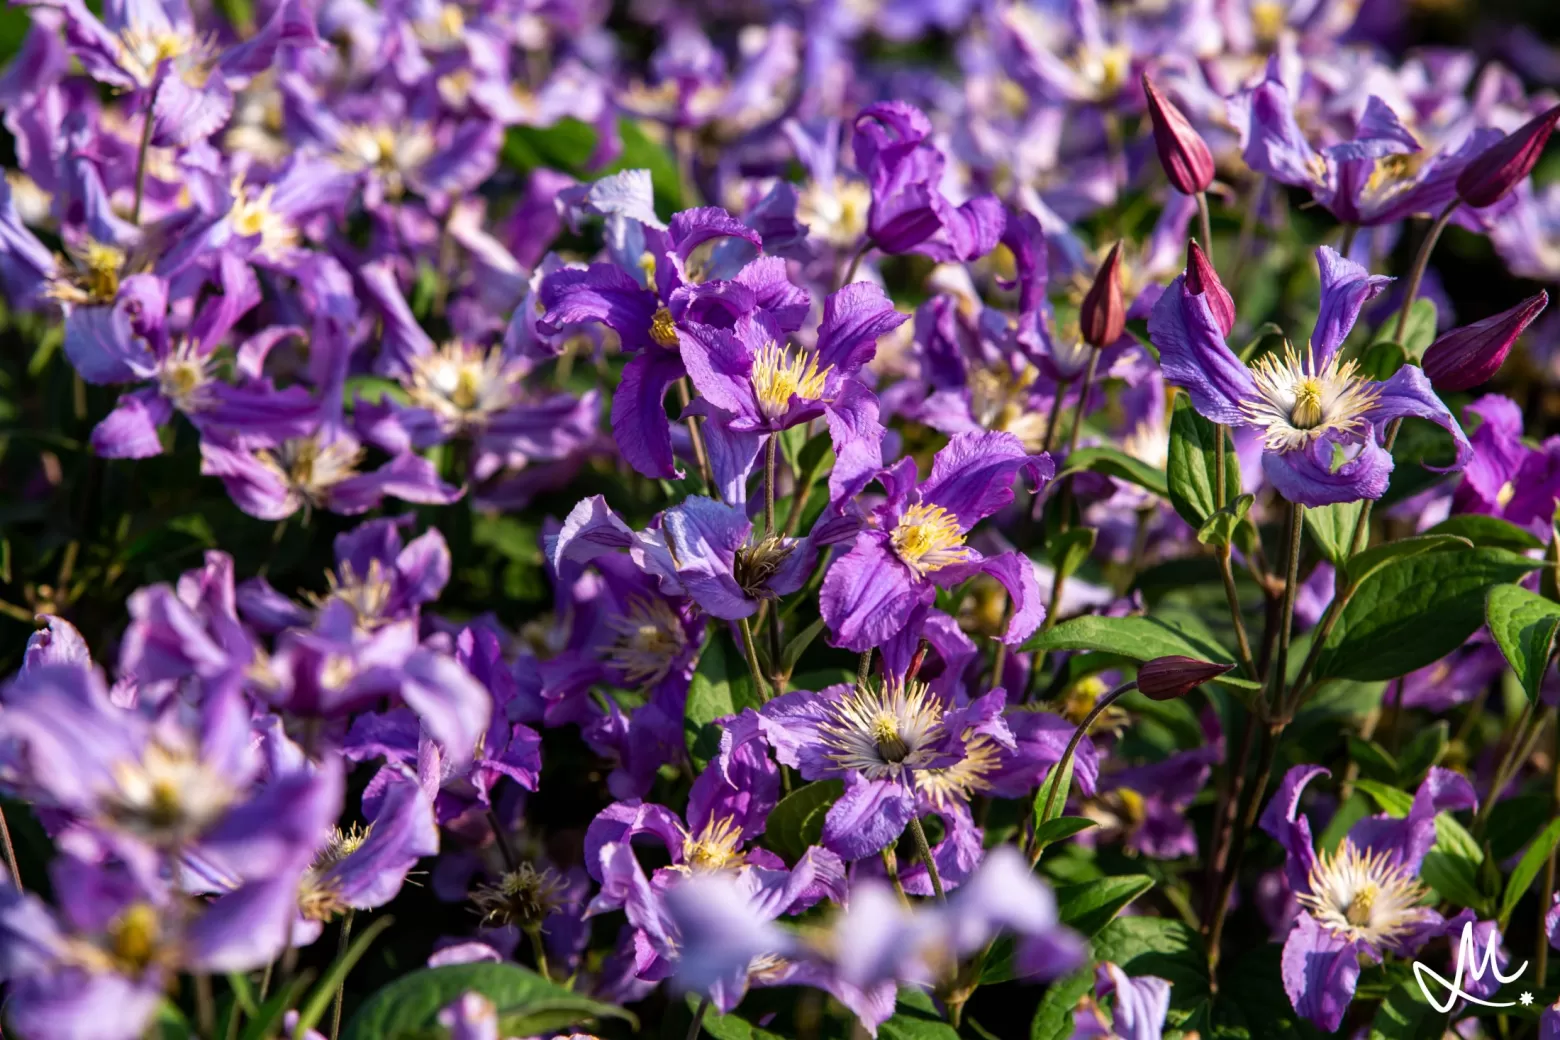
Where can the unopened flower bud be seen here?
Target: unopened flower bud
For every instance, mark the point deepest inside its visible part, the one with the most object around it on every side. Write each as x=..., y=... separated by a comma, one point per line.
x=1503, y=165
x=1166, y=678
x=1466, y=357
x=1103, y=317
x=1183, y=153
x=1203, y=280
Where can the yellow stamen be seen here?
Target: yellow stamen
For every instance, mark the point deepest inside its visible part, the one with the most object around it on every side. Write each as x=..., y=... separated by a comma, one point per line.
x=662, y=328
x=777, y=377
x=927, y=538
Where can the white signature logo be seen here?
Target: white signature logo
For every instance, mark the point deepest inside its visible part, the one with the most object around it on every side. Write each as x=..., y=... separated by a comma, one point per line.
x=1468, y=956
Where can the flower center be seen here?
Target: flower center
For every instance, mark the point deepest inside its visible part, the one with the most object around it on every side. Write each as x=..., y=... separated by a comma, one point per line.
x=927, y=538
x=1363, y=896
x=1358, y=912
x=524, y=897
x=368, y=596
x=463, y=383
x=1298, y=402
x=778, y=376
x=662, y=328
x=715, y=848
x=649, y=638
x=884, y=731
x=166, y=796
x=132, y=938
x=310, y=469
x=1267, y=19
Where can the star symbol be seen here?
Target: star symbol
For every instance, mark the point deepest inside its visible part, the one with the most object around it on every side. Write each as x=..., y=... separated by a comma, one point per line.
x=1526, y=999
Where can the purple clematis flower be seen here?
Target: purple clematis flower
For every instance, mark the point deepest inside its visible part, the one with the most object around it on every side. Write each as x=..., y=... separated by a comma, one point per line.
x=1141, y=1005
x=910, y=213
x=915, y=543
x=1364, y=899
x=1505, y=477
x=1322, y=422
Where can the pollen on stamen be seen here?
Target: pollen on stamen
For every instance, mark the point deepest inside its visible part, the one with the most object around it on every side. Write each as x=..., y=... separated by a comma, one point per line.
x=928, y=538
x=1299, y=402
x=714, y=848
x=1363, y=896
x=778, y=376
x=884, y=730
x=650, y=637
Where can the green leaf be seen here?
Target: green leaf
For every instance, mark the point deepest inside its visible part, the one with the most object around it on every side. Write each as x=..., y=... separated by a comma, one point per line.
x=1527, y=868
x=1424, y=751
x=1061, y=828
x=371, y=390
x=720, y=687
x=1264, y=330
x=797, y=821
x=1089, y=907
x=1069, y=549
x=1252, y=1001
x=1488, y=530
x=1063, y=784
x=640, y=152
x=1418, y=333
x=1054, y=1017
x=1368, y=561
x=1191, y=470
x=1381, y=360
x=797, y=645
x=1157, y=946
x=1332, y=529
x=916, y=1018
x=409, y=1006
x=1219, y=529
x=1392, y=801
x=1113, y=462
x=726, y=1027
x=314, y=1008
x=1142, y=639
x=1372, y=757
x=267, y=1022
x=1414, y=611
x=1406, y=1015
x=566, y=145
x=1524, y=626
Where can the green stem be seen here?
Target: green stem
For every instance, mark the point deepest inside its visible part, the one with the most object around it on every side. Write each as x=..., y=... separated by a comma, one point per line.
x=696, y=435
x=1051, y=421
x=1421, y=262
x=891, y=868
x=1207, y=225
x=539, y=951
x=864, y=668
x=1287, y=617
x=342, y=943
x=148, y=122
x=750, y=648
x=925, y=851
x=769, y=484
x=1083, y=400
x=1077, y=738
x=1347, y=243
x=206, y=1006
x=855, y=262
x=511, y=861
x=1541, y=953
x=10, y=853
x=698, y=1019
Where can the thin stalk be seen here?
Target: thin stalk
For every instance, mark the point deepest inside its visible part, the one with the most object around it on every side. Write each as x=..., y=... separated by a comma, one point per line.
x=1053, y=608
x=206, y=1006
x=864, y=667
x=10, y=853
x=1243, y=824
x=265, y=982
x=1206, y=223
x=1395, y=725
x=751, y=649
x=1421, y=262
x=1056, y=413
x=511, y=861
x=1287, y=617
x=1227, y=807
x=698, y=1019
x=341, y=988
x=148, y=122
x=1232, y=597
x=855, y=261
x=696, y=435
x=1516, y=753
x=925, y=851
x=1077, y=738
x=891, y=868
x=1083, y=400
x=539, y=951
x=778, y=675
x=769, y=484
x=1349, y=232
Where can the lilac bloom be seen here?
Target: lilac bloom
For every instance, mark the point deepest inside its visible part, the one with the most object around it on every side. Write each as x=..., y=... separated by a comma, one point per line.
x=915, y=543
x=909, y=211
x=1152, y=801
x=880, y=739
x=1382, y=175
x=1364, y=899
x=1138, y=1012
x=1323, y=423
x=1505, y=477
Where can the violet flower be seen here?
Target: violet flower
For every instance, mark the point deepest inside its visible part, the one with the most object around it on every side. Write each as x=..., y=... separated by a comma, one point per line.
x=915, y=543
x=1363, y=900
x=1138, y=1012
x=1323, y=423
x=1505, y=477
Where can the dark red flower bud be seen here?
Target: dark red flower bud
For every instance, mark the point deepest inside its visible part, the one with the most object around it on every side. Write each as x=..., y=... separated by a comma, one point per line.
x=1203, y=280
x=1503, y=165
x=1166, y=678
x=1103, y=317
x=1466, y=357
x=1182, y=151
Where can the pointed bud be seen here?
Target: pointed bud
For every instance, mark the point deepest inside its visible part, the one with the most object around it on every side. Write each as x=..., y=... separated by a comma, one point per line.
x=1504, y=164
x=1466, y=357
x=1182, y=151
x=1166, y=678
x=1103, y=316
x=1202, y=279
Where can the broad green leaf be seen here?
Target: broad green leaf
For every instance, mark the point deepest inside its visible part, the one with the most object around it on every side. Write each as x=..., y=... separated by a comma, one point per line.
x=1061, y=828
x=1527, y=868
x=1513, y=822
x=1157, y=946
x=1054, y=1017
x=916, y=1018
x=409, y=1006
x=566, y=145
x=1406, y=1015
x=1368, y=561
x=1069, y=549
x=1191, y=469
x=1524, y=626
x=313, y=1009
x=1381, y=360
x=1419, y=333
x=1487, y=530
x=1063, y=784
x=1332, y=529
x=371, y=390
x=720, y=687
x=1354, y=808
x=1414, y=611
x=797, y=645
x=1219, y=529
x=1252, y=1001
x=1373, y=758
x=1113, y=462
x=1142, y=639
x=1422, y=752
x=797, y=821
x=268, y=1021
x=728, y=1027
x=641, y=153
x=1089, y=907
x=1393, y=802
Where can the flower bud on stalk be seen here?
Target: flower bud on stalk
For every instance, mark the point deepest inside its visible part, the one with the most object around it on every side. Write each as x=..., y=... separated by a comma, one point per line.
x=1167, y=678
x=1503, y=165
x=1183, y=153
x=1466, y=357
x=1203, y=280
x=1103, y=317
